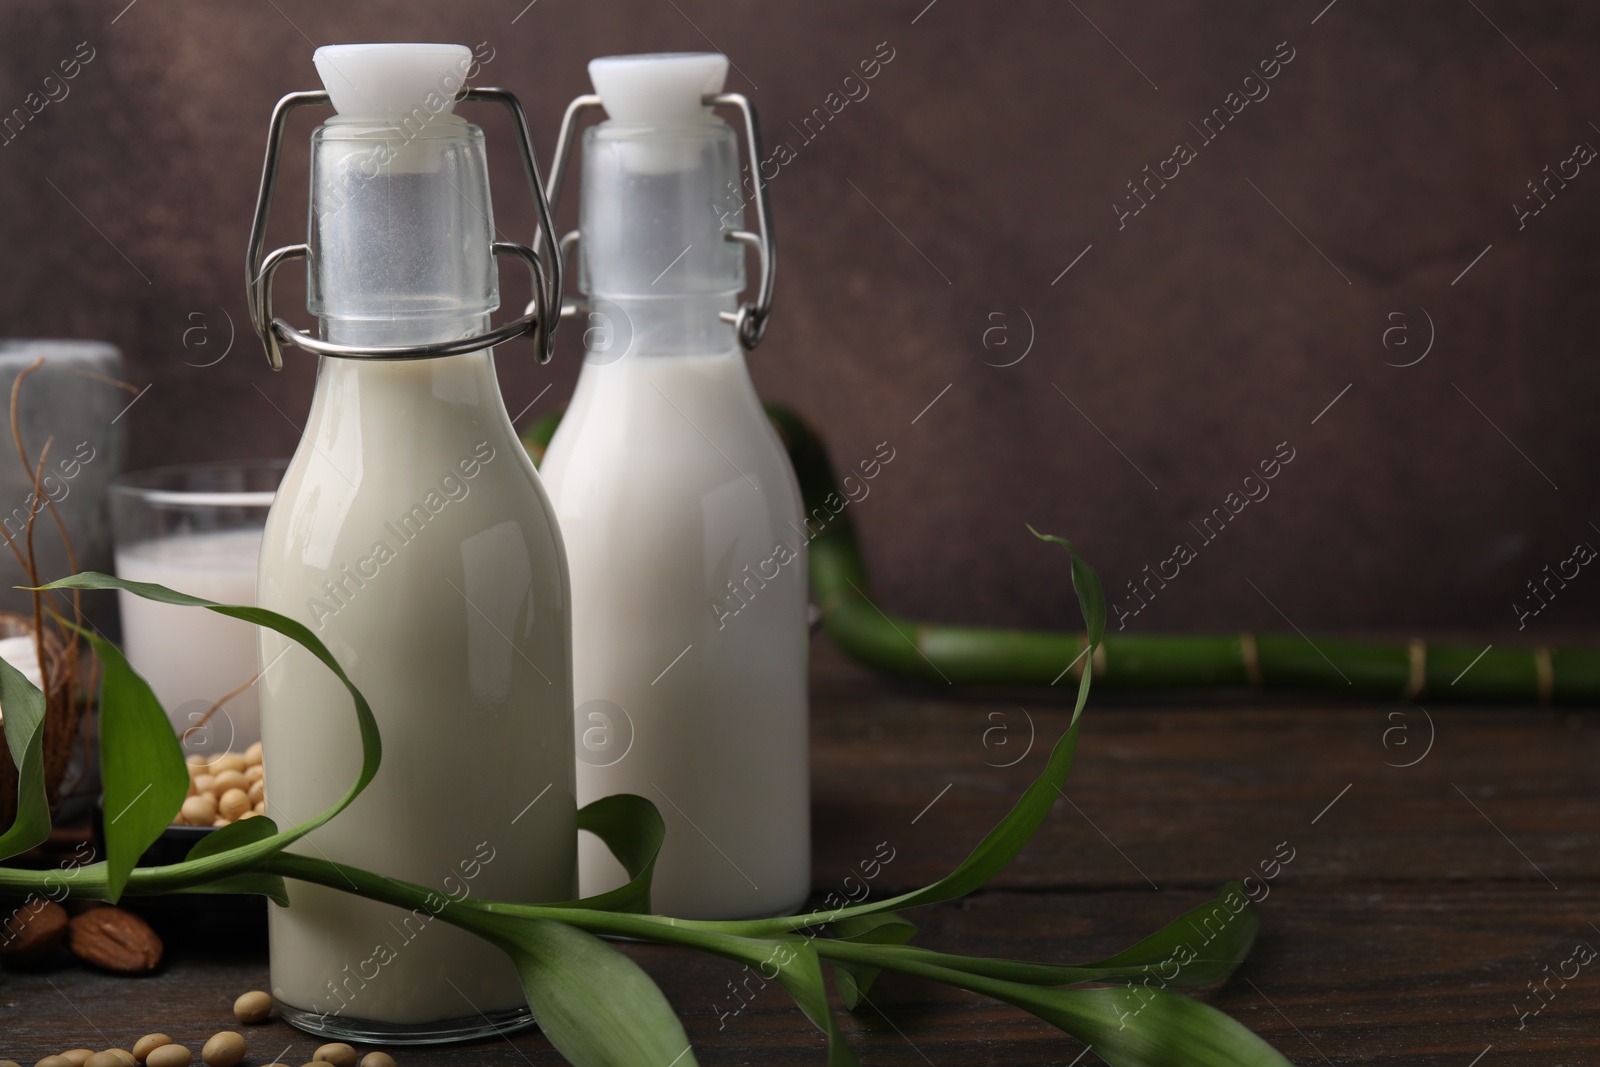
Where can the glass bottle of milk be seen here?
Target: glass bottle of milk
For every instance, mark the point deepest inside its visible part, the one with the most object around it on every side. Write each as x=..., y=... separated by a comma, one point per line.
x=681, y=514
x=412, y=536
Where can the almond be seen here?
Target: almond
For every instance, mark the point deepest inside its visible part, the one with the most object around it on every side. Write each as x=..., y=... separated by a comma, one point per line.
x=114, y=939
x=33, y=931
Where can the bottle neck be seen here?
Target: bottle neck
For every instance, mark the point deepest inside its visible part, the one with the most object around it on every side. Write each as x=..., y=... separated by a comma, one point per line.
x=654, y=256
x=649, y=327
x=401, y=231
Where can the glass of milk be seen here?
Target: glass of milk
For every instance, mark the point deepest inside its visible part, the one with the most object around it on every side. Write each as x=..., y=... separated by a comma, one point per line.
x=196, y=529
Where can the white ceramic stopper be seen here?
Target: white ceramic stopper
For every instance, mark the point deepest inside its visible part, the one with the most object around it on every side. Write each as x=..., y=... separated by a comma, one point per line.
x=663, y=87
x=387, y=82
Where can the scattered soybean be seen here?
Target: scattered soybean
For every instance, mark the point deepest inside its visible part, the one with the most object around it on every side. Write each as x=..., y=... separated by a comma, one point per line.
x=148, y=1044
x=225, y=1049
x=337, y=1053
x=253, y=1007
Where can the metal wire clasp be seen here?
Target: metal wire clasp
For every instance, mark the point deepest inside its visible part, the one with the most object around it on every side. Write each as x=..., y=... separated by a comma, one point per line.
x=260, y=265
x=750, y=321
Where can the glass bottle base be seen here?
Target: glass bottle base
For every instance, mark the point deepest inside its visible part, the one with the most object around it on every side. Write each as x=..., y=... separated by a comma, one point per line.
x=442, y=1032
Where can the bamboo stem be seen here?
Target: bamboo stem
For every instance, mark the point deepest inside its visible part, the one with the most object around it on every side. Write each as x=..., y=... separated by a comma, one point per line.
x=970, y=655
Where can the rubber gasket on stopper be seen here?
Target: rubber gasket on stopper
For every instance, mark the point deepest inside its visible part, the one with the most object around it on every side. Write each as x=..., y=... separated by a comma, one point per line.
x=663, y=87
x=387, y=82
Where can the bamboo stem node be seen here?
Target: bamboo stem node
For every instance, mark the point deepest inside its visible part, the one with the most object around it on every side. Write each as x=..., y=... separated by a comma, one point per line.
x=1417, y=654
x=1251, y=655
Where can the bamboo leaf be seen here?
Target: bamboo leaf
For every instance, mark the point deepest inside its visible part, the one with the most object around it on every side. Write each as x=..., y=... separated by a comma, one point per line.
x=800, y=972
x=248, y=884
x=23, y=706
x=998, y=847
x=141, y=764
x=1146, y=1027
x=1197, y=949
x=235, y=835
x=1208, y=953
x=633, y=830
x=1091, y=598
x=1092, y=605
x=1135, y=1025
x=1001, y=844
x=854, y=980
x=210, y=867
x=597, y=1007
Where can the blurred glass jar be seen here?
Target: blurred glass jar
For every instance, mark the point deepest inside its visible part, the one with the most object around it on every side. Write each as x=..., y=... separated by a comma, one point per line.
x=196, y=529
x=73, y=401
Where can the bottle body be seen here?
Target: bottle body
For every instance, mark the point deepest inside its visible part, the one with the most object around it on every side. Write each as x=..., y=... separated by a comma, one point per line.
x=686, y=544
x=412, y=536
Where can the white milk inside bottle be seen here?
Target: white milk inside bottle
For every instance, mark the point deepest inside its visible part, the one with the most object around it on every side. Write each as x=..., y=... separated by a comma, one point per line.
x=681, y=515
x=412, y=536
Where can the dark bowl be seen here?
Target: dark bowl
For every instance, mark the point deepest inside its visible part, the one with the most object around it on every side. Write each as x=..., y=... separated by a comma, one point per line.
x=197, y=918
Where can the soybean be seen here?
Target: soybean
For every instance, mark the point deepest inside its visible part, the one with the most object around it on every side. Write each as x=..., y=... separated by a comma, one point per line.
x=199, y=809
x=253, y=1007
x=148, y=1044
x=225, y=1049
x=377, y=1059
x=337, y=1053
x=79, y=1056
x=228, y=761
x=169, y=1056
x=54, y=1061
x=229, y=780
x=234, y=804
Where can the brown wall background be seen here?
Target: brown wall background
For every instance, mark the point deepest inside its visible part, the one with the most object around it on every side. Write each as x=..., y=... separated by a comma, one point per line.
x=986, y=158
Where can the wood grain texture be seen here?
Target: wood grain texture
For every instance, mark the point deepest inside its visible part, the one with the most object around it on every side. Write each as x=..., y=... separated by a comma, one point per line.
x=1405, y=929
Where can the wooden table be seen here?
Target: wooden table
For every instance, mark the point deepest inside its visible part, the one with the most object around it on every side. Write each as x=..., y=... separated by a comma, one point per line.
x=1420, y=903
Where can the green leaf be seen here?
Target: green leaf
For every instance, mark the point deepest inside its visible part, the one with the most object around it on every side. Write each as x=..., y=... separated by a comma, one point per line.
x=1137, y=1024
x=23, y=706
x=249, y=884
x=597, y=1007
x=235, y=835
x=854, y=980
x=1001, y=844
x=1086, y=582
x=989, y=858
x=633, y=830
x=1217, y=936
x=1091, y=604
x=141, y=765
x=197, y=871
x=1197, y=949
x=800, y=972
x=1141, y=1027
